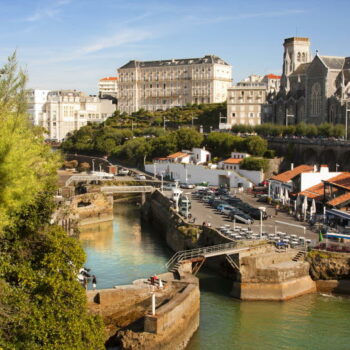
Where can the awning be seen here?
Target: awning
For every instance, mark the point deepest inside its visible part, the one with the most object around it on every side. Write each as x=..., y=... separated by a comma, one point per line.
x=336, y=235
x=338, y=213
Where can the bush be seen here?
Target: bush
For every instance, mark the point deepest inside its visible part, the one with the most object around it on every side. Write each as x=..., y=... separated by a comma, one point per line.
x=251, y=163
x=70, y=164
x=270, y=154
x=84, y=167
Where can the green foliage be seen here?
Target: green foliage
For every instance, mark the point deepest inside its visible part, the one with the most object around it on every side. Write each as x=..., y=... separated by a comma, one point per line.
x=222, y=144
x=84, y=166
x=188, y=138
x=255, y=145
x=42, y=306
x=251, y=163
x=270, y=154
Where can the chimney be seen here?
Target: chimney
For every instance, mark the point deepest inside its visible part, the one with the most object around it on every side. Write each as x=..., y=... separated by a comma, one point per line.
x=315, y=168
x=291, y=166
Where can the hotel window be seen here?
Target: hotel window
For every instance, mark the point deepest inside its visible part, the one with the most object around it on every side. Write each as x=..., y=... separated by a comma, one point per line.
x=251, y=115
x=233, y=114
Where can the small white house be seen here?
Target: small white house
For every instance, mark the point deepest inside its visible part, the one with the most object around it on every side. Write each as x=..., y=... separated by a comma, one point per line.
x=196, y=156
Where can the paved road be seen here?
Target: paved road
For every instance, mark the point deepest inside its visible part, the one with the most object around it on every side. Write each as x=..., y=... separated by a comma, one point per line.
x=205, y=213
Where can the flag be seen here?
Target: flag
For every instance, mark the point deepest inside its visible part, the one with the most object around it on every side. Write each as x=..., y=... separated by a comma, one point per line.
x=320, y=237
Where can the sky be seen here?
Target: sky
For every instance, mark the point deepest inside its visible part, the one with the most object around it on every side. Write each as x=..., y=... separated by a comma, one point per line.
x=71, y=44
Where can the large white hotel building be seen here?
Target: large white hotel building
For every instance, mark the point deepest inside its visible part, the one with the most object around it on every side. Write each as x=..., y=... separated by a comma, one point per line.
x=159, y=85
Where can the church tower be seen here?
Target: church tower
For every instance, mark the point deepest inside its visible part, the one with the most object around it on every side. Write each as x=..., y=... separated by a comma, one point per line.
x=296, y=52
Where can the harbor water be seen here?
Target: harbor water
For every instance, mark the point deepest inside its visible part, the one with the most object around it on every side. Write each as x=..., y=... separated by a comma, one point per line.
x=122, y=250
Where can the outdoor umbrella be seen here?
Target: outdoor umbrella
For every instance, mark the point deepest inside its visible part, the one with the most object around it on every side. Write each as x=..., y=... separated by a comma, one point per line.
x=281, y=195
x=313, y=208
x=286, y=195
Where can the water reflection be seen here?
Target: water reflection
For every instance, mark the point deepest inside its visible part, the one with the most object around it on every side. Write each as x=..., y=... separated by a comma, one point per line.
x=122, y=250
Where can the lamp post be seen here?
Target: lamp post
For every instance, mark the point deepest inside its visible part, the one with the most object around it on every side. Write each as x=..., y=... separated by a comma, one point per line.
x=93, y=165
x=164, y=121
x=261, y=227
x=161, y=183
x=193, y=118
x=287, y=116
x=347, y=110
x=154, y=170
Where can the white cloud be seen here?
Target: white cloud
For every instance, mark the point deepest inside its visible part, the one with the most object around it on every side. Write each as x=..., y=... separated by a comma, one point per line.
x=270, y=14
x=122, y=38
x=48, y=11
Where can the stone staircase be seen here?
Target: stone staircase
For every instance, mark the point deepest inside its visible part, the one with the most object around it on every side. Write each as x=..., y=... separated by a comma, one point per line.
x=299, y=255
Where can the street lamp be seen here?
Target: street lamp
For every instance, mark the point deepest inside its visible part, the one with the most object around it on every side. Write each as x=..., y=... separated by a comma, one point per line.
x=193, y=118
x=161, y=183
x=164, y=121
x=261, y=219
x=93, y=165
x=347, y=110
x=287, y=116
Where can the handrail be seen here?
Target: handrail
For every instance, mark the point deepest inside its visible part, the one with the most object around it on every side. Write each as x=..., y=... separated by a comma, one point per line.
x=203, y=251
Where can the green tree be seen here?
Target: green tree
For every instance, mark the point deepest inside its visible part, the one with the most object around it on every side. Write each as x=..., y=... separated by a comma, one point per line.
x=42, y=306
x=255, y=145
x=188, y=138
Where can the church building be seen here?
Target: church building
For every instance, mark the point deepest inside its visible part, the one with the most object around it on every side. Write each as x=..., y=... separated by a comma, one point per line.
x=313, y=89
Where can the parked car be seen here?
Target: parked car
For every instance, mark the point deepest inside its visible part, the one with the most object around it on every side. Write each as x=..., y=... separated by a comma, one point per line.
x=123, y=172
x=140, y=177
x=169, y=186
x=185, y=185
x=244, y=218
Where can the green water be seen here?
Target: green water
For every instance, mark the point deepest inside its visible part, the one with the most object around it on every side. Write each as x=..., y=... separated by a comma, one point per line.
x=121, y=251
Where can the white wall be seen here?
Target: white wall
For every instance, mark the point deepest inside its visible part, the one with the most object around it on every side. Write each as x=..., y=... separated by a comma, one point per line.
x=311, y=179
x=254, y=176
x=197, y=174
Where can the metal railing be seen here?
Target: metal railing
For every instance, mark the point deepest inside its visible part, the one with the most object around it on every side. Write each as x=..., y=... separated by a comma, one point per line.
x=84, y=178
x=127, y=189
x=215, y=250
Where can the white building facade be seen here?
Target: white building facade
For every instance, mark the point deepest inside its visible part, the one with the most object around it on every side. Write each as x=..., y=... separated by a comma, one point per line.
x=108, y=87
x=36, y=101
x=160, y=85
x=67, y=110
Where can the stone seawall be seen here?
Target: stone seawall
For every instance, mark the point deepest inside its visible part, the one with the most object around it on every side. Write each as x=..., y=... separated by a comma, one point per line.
x=129, y=324
x=263, y=274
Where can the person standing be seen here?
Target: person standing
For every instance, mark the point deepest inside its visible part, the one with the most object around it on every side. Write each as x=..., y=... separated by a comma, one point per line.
x=94, y=282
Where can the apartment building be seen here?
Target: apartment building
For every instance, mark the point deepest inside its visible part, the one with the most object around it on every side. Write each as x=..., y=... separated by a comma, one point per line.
x=244, y=104
x=108, y=87
x=36, y=101
x=159, y=85
x=67, y=110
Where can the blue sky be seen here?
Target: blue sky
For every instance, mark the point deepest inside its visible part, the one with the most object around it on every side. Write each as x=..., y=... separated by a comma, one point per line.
x=73, y=43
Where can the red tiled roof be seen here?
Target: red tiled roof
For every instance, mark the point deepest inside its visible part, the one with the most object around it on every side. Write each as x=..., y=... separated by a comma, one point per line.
x=291, y=174
x=273, y=76
x=232, y=160
x=315, y=192
x=177, y=155
x=110, y=78
x=341, y=180
x=338, y=200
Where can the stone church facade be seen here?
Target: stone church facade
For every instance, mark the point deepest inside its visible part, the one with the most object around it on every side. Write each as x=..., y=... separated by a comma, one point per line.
x=313, y=90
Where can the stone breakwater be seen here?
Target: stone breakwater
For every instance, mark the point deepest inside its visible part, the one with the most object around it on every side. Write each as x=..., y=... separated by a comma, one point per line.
x=126, y=312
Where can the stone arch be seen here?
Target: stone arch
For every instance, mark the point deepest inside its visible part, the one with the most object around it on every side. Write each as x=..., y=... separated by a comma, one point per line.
x=310, y=156
x=329, y=157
